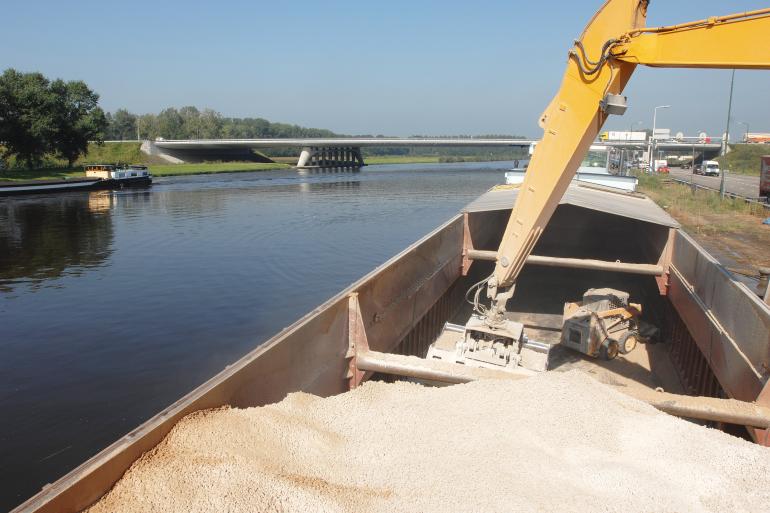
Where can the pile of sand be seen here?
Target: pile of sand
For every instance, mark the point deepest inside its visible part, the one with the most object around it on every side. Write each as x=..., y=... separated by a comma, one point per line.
x=554, y=442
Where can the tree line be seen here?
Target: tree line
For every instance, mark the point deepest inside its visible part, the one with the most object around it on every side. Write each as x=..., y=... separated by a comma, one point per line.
x=40, y=117
x=191, y=123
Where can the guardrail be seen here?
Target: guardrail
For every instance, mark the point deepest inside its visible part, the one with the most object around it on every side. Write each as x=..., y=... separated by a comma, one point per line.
x=728, y=194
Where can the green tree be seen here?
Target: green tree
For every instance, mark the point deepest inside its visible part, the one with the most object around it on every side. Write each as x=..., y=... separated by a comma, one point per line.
x=122, y=126
x=147, y=126
x=190, y=123
x=78, y=119
x=210, y=124
x=27, y=121
x=170, y=124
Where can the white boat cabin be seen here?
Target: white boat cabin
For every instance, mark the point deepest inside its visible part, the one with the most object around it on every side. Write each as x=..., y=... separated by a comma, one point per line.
x=110, y=172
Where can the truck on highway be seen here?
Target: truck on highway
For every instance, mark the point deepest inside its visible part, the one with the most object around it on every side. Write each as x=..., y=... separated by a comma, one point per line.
x=710, y=168
x=757, y=138
x=764, y=177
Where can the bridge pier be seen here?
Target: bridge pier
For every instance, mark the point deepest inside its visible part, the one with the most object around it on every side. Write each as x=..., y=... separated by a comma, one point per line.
x=330, y=157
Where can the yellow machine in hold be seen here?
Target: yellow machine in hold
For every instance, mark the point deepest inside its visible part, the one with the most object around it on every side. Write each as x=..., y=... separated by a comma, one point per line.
x=599, y=66
x=602, y=325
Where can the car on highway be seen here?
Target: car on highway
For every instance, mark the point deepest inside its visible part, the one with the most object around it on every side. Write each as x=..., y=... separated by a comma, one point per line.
x=663, y=169
x=710, y=168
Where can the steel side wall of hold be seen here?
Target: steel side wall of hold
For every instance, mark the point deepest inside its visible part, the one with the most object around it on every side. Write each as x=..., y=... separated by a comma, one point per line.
x=732, y=371
x=737, y=310
x=307, y=356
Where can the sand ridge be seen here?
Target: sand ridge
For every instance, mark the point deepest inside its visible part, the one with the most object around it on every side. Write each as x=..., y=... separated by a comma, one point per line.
x=554, y=442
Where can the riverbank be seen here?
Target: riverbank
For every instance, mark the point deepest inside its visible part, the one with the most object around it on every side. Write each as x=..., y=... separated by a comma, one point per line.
x=429, y=159
x=156, y=170
x=730, y=229
x=125, y=152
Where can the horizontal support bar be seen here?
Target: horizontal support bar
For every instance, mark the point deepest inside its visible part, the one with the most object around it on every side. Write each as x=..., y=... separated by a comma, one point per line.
x=478, y=254
x=597, y=265
x=576, y=263
x=432, y=370
x=730, y=411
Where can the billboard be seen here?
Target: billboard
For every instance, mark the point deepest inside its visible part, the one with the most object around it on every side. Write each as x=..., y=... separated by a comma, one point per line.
x=623, y=136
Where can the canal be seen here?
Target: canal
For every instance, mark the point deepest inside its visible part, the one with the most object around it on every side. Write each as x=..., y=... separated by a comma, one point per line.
x=113, y=304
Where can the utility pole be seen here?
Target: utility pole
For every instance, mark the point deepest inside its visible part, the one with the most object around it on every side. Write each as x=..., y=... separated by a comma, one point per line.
x=692, y=166
x=631, y=151
x=727, y=138
x=653, y=146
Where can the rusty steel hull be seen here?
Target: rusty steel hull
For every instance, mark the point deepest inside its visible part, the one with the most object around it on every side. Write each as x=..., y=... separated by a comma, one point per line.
x=719, y=340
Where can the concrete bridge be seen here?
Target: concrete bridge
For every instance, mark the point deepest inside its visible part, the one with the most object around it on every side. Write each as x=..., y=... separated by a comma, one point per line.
x=346, y=151
x=315, y=152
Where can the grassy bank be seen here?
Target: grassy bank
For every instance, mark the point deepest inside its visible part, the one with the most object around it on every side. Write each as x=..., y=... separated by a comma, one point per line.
x=214, y=167
x=400, y=159
x=129, y=152
x=428, y=159
x=744, y=159
x=157, y=170
x=731, y=229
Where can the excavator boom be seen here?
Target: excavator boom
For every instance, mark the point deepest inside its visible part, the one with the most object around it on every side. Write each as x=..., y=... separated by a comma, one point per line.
x=599, y=67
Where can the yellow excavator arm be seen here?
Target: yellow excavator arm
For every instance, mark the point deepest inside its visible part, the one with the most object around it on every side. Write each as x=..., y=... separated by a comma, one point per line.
x=600, y=65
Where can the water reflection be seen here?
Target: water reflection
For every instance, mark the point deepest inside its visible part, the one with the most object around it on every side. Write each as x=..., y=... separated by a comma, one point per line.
x=143, y=294
x=44, y=238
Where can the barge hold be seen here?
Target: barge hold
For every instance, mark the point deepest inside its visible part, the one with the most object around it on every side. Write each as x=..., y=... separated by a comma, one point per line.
x=557, y=242
x=715, y=332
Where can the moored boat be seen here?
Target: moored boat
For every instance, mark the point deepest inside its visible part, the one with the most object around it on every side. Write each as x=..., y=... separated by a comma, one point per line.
x=120, y=175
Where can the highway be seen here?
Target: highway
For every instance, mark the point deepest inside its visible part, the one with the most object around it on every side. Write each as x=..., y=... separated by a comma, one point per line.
x=743, y=185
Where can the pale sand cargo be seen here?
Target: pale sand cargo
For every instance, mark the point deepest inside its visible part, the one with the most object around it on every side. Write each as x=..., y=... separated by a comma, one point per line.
x=565, y=443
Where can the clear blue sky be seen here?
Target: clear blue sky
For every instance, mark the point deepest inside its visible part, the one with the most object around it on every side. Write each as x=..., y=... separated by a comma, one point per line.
x=398, y=67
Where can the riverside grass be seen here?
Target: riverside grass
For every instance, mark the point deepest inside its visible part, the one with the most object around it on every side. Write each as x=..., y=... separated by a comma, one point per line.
x=744, y=159
x=129, y=152
x=730, y=229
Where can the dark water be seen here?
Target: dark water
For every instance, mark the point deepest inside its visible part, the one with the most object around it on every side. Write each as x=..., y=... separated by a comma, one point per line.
x=115, y=304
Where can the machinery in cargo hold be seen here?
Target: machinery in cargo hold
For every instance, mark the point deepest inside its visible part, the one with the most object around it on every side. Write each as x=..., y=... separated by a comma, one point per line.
x=602, y=325
x=600, y=64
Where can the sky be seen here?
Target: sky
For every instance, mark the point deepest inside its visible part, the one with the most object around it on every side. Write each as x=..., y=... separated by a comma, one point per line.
x=396, y=68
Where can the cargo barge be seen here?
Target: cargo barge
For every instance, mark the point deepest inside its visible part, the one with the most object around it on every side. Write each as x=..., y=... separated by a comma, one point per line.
x=46, y=186
x=714, y=339
x=714, y=331
x=98, y=176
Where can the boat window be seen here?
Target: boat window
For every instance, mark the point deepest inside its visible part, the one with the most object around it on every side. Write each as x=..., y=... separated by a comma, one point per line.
x=595, y=158
x=133, y=174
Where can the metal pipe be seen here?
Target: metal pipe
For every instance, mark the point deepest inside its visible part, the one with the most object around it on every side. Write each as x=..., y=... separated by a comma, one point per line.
x=575, y=263
x=597, y=265
x=430, y=370
x=730, y=411
x=703, y=408
x=478, y=254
